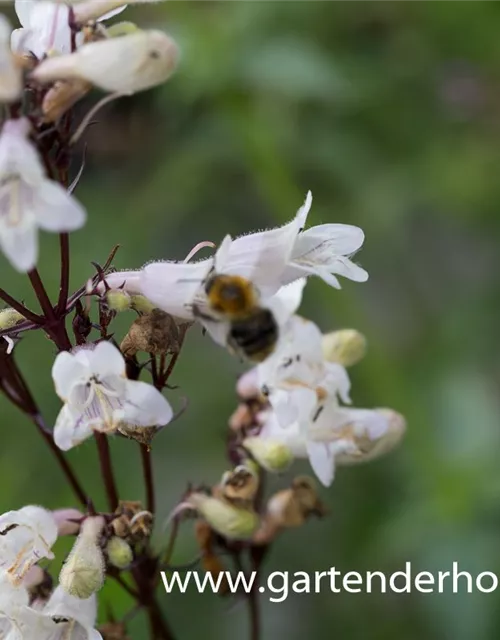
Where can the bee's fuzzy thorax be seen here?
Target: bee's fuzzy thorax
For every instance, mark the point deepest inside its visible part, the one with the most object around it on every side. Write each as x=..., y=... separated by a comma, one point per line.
x=233, y=296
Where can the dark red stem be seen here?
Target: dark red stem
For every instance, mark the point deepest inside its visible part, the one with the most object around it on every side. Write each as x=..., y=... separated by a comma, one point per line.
x=148, y=477
x=107, y=469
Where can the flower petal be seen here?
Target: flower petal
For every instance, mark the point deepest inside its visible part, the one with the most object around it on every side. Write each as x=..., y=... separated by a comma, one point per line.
x=173, y=286
x=322, y=461
x=70, y=430
x=322, y=242
x=56, y=210
x=145, y=406
x=20, y=245
x=106, y=360
x=262, y=257
x=286, y=301
x=24, y=9
x=62, y=604
x=68, y=371
x=337, y=381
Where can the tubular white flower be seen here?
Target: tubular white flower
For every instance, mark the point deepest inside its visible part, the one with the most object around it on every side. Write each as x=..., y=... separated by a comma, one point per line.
x=340, y=436
x=26, y=536
x=62, y=618
x=45, y=27
x=28, y=199
x=122, y=65
x=297, y=379
x=98, y=396
x=10, y=72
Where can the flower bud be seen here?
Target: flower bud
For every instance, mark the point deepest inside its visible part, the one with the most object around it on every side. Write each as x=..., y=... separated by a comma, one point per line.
x=124, y=65
x=9, y=318
x=118, y=300
x=229, y=521
x=83, y=572
x=272, y=455
x=119, y=553
x=121, y=29
x=346, y=347
x=142, y=304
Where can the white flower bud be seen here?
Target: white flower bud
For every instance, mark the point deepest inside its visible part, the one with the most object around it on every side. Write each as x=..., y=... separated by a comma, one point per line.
x=124, y=65
x=346, y=347
x=272, y=455
x=231, y=522
x=9, y=318
x=83, y=572
x=119, y=553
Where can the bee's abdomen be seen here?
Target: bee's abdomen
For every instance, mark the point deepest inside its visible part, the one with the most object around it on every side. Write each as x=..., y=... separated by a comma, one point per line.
x=255, y=336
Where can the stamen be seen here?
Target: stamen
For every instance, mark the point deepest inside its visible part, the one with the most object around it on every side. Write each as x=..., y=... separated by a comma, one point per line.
x=198, y=247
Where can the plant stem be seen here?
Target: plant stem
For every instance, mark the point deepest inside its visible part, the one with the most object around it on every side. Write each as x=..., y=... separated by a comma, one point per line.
x=147, y=468
x=63, y=463
x=65, y=263
x=41, y=294
x=24, y=311
x=107, y=469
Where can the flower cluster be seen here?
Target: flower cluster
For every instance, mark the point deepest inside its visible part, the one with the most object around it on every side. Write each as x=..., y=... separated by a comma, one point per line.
x=294, y=401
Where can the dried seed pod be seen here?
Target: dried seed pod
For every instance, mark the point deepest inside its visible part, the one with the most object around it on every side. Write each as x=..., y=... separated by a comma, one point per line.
x=143, y=435
x=239, y=486
x=132, y=522
x=61, y=97
x=155, y=332
x=289, y=509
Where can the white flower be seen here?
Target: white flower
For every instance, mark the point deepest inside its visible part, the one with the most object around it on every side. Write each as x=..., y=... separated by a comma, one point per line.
x=45, y=27
x=62, y=618
x=269, y=259
x=338, y=436
x=26, y=536
x=297, y=379
x=28, y=199
x=97, y=395
x=125, y=64
x=10, y=72
x=275, y=257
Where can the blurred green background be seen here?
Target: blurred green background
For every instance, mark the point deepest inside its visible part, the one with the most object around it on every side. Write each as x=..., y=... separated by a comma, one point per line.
x=390, y=114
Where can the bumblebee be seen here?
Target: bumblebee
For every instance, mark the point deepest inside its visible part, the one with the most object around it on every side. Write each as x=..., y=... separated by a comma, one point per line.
x=253, y=330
